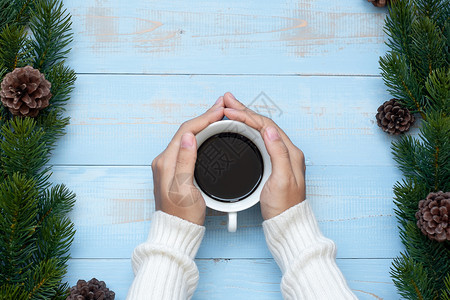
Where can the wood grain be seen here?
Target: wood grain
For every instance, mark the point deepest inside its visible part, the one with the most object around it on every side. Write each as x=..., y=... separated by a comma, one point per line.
x=144, y=67
x=114, y=207
x=222, y=279
x=129, y=119
x=231, y=37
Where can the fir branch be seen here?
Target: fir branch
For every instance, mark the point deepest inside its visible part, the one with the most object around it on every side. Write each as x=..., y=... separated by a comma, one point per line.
x=2, y=71
x=44, y=280
x=398, y=27
x=15, y=47
x=433, y=9
x=401, y=82
x=445, y=293
x=14, y=12
x=411, y=279
x=50, y=25
x=53, y=126
x=433, y=256
x=63, y=81
x=408, y=193
x=13, y=292
x=446, y=32
x=427, y=48
x=24, y=151
x=438, y=87
x=435, y=150
x=427, y=159
x=405, y=155
x=54, y=239
x=57, y=201
x=62, y=292
x=17, y=222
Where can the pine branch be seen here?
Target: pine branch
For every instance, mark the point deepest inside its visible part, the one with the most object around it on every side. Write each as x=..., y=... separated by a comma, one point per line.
x=438, y=87
x=50, y=25
x=408, y=193
x=434, y=256
x=17, y=224
x=57, y=201
x=62, y=292
x=401, y=82
x=45, y=279
x=36, y=254
x=426, y=160
x=63, y=80
x=398, y=27
x=433, y=9
x=13, y=292
x=435, y=150
x=53, y=126
x=14, y=12
x=56, y=231
x=15, y=47
x=411, y=279
x=445, y=294
x=427, y=48
x=54, y=239
x=24, y=150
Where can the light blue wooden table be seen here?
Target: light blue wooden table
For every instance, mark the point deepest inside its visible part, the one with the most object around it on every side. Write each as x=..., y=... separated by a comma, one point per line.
x=144, y=67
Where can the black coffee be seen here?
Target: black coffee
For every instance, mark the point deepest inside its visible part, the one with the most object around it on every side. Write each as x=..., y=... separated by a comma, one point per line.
x=229, y=167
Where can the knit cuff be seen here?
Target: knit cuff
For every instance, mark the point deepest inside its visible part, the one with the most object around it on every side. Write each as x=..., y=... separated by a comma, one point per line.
x=172, y=232
x=291, y=233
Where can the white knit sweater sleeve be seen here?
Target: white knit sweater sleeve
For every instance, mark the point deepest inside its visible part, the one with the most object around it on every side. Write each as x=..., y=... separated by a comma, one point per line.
x=306, y=258
x=164, y=265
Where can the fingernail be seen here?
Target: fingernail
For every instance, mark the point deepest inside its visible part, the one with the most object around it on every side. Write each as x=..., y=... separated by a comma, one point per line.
x=272, y=134
x=187, y=140
x=232, y=96
x=218, y=100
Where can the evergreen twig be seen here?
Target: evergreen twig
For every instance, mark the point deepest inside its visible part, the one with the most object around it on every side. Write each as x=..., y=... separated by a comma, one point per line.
x=36, y=232
x=416, y=71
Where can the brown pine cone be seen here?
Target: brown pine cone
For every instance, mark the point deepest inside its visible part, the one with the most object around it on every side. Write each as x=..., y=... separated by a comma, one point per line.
x=91, y=290
x=25, y=91
x=393, y=118
x=379, y=3
x=433, y=216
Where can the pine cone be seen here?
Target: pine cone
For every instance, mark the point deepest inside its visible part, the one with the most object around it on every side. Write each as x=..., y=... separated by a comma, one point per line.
x=433, y=216
x=91, y=290
x=394, y=118
x=25, y=91
x=379, y=3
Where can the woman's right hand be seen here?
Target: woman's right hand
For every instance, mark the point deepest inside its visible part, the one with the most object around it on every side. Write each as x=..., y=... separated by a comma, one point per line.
x=286, y=185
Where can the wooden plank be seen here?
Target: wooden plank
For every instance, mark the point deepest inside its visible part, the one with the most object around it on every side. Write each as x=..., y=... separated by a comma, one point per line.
x=244, y=279
x=129, y=120
x=114, y=205
x=226, y=37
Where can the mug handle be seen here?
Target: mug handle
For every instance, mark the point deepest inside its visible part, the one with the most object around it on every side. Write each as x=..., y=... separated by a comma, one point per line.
x=232, y=221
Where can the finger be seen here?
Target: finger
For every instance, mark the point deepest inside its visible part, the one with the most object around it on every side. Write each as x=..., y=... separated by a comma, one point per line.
x=257, y=122
x=219, y=103
x=196, y=125
x=187, y=156
x=182, y=191
x=278, y=152
x=231, y=102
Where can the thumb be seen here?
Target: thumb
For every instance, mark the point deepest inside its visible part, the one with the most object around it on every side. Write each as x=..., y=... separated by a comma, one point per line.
x=187, y=155
x=278, y=152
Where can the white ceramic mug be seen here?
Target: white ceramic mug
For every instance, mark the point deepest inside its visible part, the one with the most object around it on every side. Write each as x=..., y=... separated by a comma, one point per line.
x=253, y=135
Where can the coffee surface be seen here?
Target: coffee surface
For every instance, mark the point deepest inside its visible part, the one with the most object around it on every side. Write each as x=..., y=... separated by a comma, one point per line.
x=229, y=167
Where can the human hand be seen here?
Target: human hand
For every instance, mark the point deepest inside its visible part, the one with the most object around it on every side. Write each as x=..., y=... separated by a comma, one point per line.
x=286, y=185
x=173, y=170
